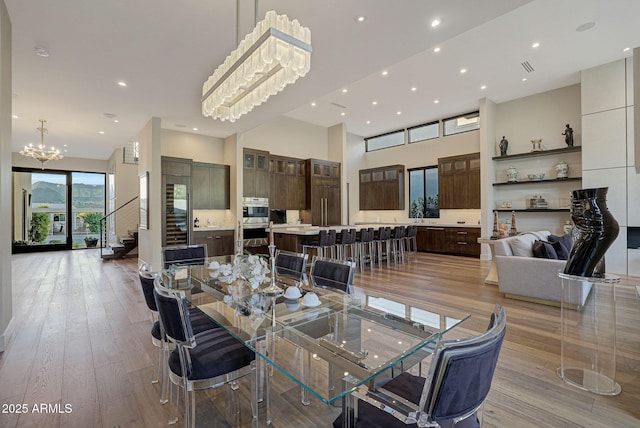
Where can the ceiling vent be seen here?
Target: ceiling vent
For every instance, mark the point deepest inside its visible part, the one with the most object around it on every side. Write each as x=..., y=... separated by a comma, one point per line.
x=527, y=66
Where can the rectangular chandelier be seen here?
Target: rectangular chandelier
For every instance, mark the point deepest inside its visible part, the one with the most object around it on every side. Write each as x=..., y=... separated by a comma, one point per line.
x=276, y=53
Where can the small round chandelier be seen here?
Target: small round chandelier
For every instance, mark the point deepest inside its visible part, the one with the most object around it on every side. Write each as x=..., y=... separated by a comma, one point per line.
x=41, y=153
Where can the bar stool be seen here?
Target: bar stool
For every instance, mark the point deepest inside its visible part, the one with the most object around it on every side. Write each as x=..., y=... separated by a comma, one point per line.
x=411, y=242
x=347, y=248
x=317, y=245
x=384, y=245
x=366, y=248
x=397, y=242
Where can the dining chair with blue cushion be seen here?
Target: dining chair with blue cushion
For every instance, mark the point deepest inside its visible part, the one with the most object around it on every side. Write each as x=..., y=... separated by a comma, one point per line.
x=291, y=267
x=184, y=255
x=201, y=361
x=331, y=273
x=457, y=385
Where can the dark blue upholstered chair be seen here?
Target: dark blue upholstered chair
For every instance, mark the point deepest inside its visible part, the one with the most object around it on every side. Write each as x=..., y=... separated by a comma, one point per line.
x=291, y=267
x=200, y=361
x=199, y=321
x=184, y=255
x=330, y=273
x=459, y=380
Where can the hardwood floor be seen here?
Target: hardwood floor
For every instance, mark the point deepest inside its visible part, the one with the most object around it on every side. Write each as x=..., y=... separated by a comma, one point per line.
x=81, y=338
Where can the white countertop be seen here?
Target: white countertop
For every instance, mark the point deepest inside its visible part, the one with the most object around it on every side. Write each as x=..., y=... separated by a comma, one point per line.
x=313, y=230
x=210, y=228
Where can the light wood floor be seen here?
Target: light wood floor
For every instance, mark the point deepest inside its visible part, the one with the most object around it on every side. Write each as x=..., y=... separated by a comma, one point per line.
x=81, y=337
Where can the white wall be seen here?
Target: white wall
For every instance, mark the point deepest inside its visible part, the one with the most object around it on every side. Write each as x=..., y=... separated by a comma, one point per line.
x=200, y=148
x=6, y=311
x=608, y=151
x=64, y=164
x=126, y=188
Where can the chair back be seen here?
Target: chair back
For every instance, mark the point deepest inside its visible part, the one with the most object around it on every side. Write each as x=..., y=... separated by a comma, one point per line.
x=290, y=265
x=146, y=281
x=398, y=232
x=323, y=238
x=348, y=237
x=173, y=312
x=411, y=232
x=331, y=237
x=461, y=373
x=366, y=235
x=184, y=255
x=332, y=273
x=384, y=233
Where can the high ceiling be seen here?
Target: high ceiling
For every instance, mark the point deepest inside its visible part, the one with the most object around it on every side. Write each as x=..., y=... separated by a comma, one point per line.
x=165, y=49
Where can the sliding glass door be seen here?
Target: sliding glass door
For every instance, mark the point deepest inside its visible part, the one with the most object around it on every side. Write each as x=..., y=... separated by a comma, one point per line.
x=56, y=210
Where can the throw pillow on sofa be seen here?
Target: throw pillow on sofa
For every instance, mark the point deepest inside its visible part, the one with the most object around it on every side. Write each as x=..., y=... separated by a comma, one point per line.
x=522, y=245
x=544, y=250
x=562, y=245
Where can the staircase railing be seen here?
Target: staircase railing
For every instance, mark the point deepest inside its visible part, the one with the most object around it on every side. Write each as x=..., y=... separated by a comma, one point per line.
x=103, y=222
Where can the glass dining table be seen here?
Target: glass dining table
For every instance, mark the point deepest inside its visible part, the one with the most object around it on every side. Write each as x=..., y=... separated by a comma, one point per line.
x=326, y=341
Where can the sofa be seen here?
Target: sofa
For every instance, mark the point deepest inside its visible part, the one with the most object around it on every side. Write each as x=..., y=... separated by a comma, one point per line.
x=523, y=276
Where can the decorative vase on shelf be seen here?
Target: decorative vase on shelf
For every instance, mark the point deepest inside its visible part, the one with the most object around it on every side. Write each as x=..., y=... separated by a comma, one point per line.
x=562, y=170
x=512, y=174
x=594, y=232
x=537, y=145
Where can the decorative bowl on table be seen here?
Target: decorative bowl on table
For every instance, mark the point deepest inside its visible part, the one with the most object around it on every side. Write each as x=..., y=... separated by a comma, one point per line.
x=536, y=177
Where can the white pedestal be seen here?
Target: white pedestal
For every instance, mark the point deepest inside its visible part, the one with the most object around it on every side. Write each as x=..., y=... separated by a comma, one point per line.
x=492, y=277
x=588, y=349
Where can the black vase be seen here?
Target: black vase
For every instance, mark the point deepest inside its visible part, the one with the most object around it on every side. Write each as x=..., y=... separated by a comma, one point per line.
x=595, y=230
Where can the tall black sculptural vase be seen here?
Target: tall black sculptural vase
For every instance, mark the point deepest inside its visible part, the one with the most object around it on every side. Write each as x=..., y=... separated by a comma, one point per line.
x=595, y=230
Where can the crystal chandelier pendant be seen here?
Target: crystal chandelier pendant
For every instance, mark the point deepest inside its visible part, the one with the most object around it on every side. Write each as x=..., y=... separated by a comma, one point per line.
x=41, y=153
x=276, y=53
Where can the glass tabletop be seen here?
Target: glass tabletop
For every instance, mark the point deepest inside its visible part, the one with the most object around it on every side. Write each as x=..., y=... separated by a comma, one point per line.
x=321, y=337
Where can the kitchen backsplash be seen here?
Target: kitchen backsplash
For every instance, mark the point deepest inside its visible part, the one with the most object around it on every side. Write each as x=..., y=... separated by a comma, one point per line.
x=215, y=218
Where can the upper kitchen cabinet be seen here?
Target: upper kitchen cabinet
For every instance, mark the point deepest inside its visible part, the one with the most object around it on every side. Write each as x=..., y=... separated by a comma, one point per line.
x=382, y=188
x=287, y=183
x=459, y=181
x=323, y=195
x=210, y=186
x=255, y=173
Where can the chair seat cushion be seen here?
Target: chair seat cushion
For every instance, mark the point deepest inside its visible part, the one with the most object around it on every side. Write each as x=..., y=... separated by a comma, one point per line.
x=155, y=330
x=404, y=385
x=216, y=353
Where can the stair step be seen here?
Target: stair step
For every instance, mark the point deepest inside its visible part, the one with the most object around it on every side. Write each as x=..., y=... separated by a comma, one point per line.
x=108, y=254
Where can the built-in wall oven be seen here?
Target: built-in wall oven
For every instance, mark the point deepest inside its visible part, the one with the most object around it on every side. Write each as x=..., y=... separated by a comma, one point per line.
x=255, y=220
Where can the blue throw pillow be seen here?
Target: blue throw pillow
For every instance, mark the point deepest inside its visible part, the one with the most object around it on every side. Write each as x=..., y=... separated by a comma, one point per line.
x=562, y=245
x=544, y=250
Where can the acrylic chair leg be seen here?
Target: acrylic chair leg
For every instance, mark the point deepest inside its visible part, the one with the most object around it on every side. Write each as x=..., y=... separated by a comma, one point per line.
x=157, y=368
x=164, y=373
x=189, y=408
x=173, y=405
x=255, y=382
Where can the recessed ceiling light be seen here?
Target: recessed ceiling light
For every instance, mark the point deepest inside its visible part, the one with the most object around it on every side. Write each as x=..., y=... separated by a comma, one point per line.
x=64, y=145
x=100, y=132
x=586, y=26
x=435, y=23
x=436, y=101
x=483, y=87
x=361, y=19
x=463, y=70
x=524, y=79
x=436, y=49
x=398, y=113
x=15, y=116
x=313, y=104
x=343, y=114
x=65, y=150
x=535, y=45
x=626, y=49
x=385, y=72
x=345, y=90
x=375, y=103
x=414, y=89
x=42, y=51
x=122, y=83
x=116, y=121
x=368, y=122
x=195, y=129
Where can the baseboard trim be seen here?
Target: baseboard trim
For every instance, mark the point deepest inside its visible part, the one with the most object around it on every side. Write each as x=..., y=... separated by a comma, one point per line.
x=535, y=300
x=6, y=335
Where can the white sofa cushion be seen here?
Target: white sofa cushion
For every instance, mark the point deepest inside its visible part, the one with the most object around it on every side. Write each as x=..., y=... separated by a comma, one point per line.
x=522, y=245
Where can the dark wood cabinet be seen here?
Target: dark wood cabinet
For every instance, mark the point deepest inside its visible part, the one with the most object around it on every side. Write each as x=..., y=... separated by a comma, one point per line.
x=210, y=184
x=287, y=183
x=218, y=242
x=176, y=166
x=461, y=241
x=459, y=181
x=255, y=179
x=382, y=188
x=323, y=194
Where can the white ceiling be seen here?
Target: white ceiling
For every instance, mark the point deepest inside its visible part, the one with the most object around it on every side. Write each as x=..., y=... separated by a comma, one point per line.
x=165, y=49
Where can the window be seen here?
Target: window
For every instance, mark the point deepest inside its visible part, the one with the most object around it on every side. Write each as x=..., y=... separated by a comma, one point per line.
x=423, y=192
x=427, y=131
x=384, y=141
x=462, y=123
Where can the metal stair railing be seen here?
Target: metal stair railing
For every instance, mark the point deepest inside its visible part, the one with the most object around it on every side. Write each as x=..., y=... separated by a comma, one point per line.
x=103, y=223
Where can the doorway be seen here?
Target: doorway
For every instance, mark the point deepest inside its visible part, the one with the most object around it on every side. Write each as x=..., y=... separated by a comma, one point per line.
x=56, y=210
